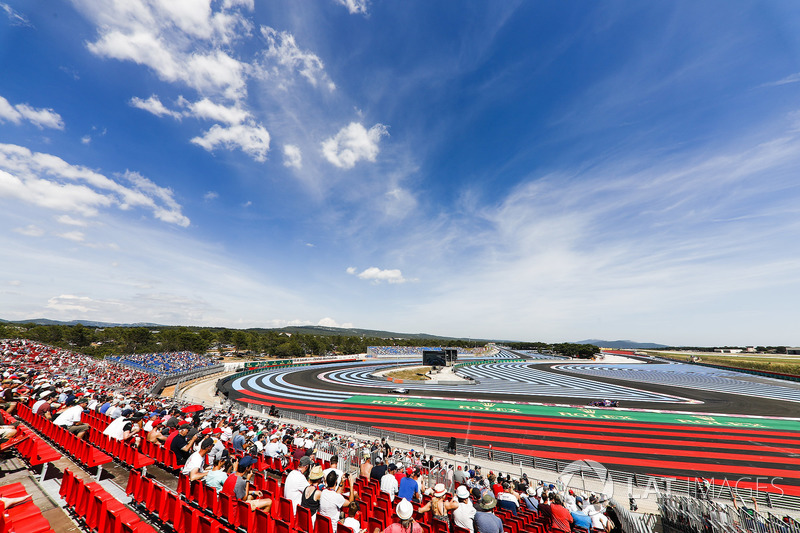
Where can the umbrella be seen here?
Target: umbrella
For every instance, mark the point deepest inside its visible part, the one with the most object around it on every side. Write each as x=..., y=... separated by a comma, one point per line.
x=192, y=408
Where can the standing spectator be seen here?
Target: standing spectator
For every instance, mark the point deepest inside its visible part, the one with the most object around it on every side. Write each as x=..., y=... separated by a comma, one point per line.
x=378, y=470
x=389, y=482
x=70, y=418
x=366, y=465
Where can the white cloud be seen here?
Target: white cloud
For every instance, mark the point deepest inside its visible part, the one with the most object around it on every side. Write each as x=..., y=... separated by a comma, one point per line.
x=282, y=48
x=153, y=105
x=792, y=78
x=39, y=117
x=86, y=139
x=30, y=231
x=352, y=144
x=376, y=275
x=207, y=109
x=252, y=139
x=248, y=203
x=76, y=236
x=292, y=157
x=16, y=19
x=49, y=181
x=210, y=195
x=69, y=302
x=69, y=221
x=15, y=283
x=331, y=323
x=354, y=6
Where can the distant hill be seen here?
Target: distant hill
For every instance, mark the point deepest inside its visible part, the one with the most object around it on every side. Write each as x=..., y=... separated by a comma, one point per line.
x=357, y=332
x=305, y=330
x=620, y=345
x=88, y=323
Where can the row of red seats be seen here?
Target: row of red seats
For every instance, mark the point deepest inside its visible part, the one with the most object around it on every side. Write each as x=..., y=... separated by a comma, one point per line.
x=23, y=516
x=80, y=450
x=168, y=509
x=98, y=510
x=122, y=451
x=33, y=450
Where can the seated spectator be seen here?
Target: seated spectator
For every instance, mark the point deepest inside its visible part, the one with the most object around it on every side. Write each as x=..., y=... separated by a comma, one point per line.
x=581, y=520
x=156, y=435
x=437, y=506
x=296, y=482
x=275, y=448
x=508, y=499
x=409, y=488
x=405, y=512
x=465, y=513
x=182, y=446
x=122, y=428
x=43, y=407
x=8, y=400
x=70, y=418
x=351, y=521
x=530, y=500
x=485, y=519
x=8, y=432
x=218, y=475
x=241, y=490
x=313, y=492
x=195, y=464
x=561, y=520
x=334, y=468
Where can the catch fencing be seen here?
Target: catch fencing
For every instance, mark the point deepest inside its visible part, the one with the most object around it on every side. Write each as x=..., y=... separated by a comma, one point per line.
x=680, y=514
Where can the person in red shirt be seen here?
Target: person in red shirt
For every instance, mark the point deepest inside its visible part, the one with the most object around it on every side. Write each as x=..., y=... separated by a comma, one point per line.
x=561, y=517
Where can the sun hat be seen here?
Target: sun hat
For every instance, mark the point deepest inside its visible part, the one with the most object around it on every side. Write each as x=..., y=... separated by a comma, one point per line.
x=487, y=502
x=404, y=509
x=462, y=492
x=315, y=473
x=439, y=490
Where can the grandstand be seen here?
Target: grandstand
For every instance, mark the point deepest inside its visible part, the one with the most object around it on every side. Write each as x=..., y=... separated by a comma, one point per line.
x=164, y=364
x=136, y=483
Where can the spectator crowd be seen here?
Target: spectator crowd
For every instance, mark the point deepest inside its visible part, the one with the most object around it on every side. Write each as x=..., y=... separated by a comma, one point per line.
x=228, y=450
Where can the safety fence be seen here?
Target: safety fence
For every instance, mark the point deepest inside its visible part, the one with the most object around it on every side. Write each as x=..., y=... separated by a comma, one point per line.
x=754, y=372
x=680, y=514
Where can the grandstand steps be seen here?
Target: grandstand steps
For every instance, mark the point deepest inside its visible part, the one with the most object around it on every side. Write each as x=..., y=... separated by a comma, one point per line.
x=13, y=470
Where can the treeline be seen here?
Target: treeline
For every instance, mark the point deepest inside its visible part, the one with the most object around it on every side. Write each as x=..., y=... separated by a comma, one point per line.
x=568, y=349
x=100, y=342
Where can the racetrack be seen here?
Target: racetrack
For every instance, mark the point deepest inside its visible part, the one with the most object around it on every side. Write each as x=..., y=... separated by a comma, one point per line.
x=666, y=426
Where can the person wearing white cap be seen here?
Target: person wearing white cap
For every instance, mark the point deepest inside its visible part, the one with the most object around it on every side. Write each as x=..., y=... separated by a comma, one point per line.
x=463, y=515
x=438, y=507
x=405, y=512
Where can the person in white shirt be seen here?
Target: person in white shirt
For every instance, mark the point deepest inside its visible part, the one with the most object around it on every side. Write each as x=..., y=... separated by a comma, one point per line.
x=196, y=463
x=120, y=428
x=334, y=468
x=465, y=513
x=331, y=501
x=389, y=481
x=351, y=521
x=70, y=419
x=296, y=482
x=275, y=448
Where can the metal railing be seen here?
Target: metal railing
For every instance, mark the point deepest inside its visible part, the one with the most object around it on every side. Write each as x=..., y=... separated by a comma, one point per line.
x=680, y=514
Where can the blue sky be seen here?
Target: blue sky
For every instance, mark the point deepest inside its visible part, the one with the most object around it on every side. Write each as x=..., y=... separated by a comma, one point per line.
x=520, y=170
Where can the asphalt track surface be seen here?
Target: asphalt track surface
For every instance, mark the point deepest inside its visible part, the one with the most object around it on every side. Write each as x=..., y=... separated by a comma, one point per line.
x=754, y=452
